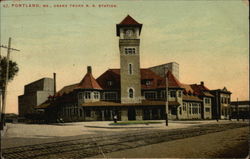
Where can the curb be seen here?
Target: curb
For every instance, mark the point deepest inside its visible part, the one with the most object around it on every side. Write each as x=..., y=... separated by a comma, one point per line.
x=115, y=127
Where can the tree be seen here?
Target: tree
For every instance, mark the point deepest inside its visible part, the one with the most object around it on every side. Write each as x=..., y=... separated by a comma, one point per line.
x=13, y=70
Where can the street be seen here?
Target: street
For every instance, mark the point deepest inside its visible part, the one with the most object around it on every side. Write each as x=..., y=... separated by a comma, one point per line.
x=99, y=139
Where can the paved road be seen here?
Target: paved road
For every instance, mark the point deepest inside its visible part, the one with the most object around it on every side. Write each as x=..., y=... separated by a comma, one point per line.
x=98, y=144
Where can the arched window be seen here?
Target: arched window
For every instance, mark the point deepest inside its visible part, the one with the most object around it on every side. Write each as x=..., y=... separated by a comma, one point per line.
x=130, y=69
x=131, y=93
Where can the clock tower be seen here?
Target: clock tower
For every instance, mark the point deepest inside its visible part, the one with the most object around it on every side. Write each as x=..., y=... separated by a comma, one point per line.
x=128, y=32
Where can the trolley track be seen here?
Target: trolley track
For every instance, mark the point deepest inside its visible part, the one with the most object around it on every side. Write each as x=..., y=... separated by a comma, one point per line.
x=91, y=146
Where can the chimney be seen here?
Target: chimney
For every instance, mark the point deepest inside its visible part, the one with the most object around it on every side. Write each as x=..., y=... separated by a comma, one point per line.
x=54, y=77
x=202, y=83
x=89, y=69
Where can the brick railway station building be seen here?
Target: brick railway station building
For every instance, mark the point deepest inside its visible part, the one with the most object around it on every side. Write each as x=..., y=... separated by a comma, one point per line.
x=131, y=92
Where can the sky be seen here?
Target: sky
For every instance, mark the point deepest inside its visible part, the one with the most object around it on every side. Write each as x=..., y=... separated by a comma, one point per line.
x=209, y=40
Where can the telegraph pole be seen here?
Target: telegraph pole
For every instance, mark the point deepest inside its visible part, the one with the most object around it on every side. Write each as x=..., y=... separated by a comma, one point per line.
x=237, y=109
x=6, y=82
x=166, y=78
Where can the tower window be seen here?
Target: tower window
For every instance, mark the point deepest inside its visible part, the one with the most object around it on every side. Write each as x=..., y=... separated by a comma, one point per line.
x=130, y=69
x=131, y=93
x=129, y=50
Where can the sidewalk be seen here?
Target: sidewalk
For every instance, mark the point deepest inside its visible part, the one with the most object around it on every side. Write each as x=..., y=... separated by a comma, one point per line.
x=171, y=125
x=27, y=134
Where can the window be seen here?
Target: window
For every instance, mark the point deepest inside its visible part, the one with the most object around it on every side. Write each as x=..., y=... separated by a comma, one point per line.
x=130, y=69
x=80, y=95
x=179, y=93
x=172, y=94
x=110, y=83
x=163, y=94
x=150, y=95
x=148, y=82
x=129, y=50
x=180, y=110
x=87, y=95
x=207, y=109
x=184, y=106
x=131, y=93
x=96, y=95
x=207, y=100
x=110, y=95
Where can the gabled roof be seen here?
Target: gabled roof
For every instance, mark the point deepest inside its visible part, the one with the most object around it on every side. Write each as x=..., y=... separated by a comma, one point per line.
x=201, y=90
x=172, y=81
x=88, y=82
x=128, y=20
x=67, y=89
x=112, y=75
x=156, y=81
x=224, y=90
x=191, y=98
x=187, y=88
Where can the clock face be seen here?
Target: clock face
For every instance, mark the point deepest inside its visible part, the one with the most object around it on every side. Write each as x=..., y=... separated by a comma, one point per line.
x=129, y=33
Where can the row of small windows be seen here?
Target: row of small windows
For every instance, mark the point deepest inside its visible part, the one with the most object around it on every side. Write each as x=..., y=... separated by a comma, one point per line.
x=225, y=100
x=129, y=50
x=110, y=96
x=207, y=101
x=72, y=111
x=194, y=108
x=87, y=95
x=172, y=94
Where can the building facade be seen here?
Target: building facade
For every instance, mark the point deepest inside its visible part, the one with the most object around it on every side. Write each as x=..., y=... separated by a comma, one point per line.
x=35, y=94
x=161, y=69
x=130, y=92
x=221, y=103
x=240, y=109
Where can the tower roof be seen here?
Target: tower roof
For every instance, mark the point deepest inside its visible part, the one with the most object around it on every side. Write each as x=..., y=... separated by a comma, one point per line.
x=128, y=21
x=89, y=82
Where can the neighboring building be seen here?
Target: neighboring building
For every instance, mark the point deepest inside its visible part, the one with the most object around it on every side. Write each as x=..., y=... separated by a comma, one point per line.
x=240, y=109
x=197, y=101
x=131, y=92
x=35, y=94
x=161, y=69
x=221, y=103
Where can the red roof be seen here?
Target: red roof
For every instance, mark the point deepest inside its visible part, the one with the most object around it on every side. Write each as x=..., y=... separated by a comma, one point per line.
x=129, y=21
x=66, y=89
x=172, y=81
x=187, y=88
x=201, y=90
x=89, y=82
x=149, y=79
x=111, y=75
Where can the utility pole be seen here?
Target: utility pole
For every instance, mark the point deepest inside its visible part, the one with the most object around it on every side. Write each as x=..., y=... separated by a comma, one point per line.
x=6, y=82
x=217, y=106
x=237, y=109
x=166, y=78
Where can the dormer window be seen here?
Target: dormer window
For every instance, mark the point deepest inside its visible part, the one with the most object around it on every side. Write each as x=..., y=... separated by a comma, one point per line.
x=129, y=50
x=148, y=83
x=110, y=83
